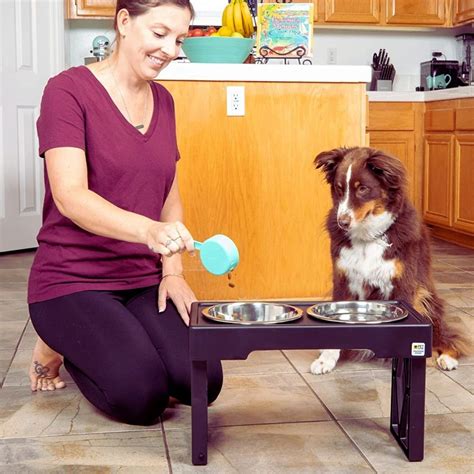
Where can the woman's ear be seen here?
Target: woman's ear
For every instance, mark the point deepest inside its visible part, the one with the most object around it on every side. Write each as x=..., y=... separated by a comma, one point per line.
x=387, y=169
x=329, y=161
x=123, y=21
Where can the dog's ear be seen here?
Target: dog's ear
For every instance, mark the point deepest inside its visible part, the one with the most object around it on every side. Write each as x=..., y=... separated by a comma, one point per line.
x=387, y=169
x=329, y=161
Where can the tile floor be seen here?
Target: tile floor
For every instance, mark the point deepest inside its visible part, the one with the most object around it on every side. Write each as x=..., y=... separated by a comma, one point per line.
x=272, y=416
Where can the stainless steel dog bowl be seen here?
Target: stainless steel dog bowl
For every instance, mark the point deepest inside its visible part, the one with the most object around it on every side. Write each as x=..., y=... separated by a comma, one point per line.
x=358, y=312
x=252, y=313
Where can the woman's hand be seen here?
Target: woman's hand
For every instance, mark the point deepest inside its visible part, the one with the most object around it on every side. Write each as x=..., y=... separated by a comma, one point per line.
x=169, y=238
x=175, y=288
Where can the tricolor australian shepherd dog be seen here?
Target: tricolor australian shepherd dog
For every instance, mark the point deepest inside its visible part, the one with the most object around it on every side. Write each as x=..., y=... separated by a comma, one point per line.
x=379, y=246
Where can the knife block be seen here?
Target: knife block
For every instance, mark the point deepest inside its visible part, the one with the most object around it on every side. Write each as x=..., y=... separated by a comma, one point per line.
x=373, y=83
x=384, y=85
x=378, y=84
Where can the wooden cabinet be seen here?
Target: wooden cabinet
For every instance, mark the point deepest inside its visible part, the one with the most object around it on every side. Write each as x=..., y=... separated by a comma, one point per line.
x=396, y=128
x=352, y=11
x=435, y=141
x=90, y=8
x=393, y=13
x=438, y=171
x=422, y=12
x=463, y=12
x=448, y=202
x=463, y=217
x=400, y=145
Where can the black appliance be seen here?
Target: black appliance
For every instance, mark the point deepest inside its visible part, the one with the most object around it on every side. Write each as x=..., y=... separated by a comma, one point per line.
x=447, y=73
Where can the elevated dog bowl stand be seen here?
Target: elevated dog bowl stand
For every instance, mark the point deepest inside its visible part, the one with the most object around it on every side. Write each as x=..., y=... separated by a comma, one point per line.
x=406, y=342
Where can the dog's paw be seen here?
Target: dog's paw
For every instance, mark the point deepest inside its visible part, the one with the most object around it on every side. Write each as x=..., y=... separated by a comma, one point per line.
x=325, y=362
x=446, y=362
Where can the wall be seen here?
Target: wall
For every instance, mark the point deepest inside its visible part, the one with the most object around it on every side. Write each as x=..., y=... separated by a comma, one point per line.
x=407, y=49
x=79, y=36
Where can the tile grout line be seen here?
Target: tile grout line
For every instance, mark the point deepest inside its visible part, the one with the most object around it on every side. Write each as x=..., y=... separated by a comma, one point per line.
x=165, y=442
x=155, y=430
x=80, y=433
x=268, y=423
x=445, y=373
x=462, y=310
x=331, y=415
x=14, y=353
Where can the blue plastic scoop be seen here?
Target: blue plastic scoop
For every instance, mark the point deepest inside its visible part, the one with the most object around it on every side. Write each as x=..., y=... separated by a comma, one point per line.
x=219, y=254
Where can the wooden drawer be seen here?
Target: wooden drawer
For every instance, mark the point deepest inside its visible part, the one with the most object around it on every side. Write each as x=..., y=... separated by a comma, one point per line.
x=465, y=115
x=439, y=120
x=465, y=119
x=395, y=116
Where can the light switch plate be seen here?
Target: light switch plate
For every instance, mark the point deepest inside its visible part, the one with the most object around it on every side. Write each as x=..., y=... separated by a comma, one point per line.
x=235, y=101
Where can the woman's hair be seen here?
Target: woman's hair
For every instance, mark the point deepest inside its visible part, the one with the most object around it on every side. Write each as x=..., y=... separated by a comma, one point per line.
x=140, y=7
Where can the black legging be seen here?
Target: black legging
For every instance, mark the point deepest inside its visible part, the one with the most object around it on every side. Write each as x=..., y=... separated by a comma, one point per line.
x=125, y=357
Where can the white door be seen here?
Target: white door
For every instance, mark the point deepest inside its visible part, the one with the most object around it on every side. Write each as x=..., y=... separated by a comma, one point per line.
x=31, y=51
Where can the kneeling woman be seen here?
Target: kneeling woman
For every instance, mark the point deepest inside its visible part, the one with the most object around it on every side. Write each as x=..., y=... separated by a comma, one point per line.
x=109, y=248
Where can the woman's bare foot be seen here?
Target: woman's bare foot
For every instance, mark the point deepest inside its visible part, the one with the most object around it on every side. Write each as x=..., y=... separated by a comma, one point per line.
x=44, y=370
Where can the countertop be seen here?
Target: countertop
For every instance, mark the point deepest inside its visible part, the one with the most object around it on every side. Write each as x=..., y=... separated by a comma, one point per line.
x=185, y=71
x=264, y=73
x=427, y=96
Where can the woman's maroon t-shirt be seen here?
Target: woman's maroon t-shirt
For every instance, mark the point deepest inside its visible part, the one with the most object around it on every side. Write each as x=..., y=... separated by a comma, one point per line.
x=131, y=170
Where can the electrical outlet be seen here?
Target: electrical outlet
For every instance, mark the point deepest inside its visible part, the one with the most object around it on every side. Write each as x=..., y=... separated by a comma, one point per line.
x=332, y=56
x=236, y=101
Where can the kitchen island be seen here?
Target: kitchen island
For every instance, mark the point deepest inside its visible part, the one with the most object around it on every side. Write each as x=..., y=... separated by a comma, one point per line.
x=252, y=177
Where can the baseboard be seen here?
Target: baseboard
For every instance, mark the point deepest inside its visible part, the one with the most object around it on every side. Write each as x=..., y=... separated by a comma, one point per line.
x=453, y=236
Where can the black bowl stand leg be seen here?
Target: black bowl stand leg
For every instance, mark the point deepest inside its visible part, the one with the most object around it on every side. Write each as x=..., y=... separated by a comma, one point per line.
x=199, y=411
x=407, y=414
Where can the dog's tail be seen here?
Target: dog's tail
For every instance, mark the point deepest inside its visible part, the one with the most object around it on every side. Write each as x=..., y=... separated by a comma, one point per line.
x=450, y=335
x=455, y=335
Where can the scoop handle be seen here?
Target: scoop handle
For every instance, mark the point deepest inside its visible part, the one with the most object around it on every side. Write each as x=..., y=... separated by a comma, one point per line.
x=197, y=245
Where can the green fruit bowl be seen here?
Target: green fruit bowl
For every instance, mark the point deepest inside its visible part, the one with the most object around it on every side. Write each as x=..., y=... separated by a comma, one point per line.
x=217, y=49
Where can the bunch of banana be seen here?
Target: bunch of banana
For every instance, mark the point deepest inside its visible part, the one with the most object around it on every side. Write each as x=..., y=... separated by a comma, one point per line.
x=237, y=17
x=246, y=18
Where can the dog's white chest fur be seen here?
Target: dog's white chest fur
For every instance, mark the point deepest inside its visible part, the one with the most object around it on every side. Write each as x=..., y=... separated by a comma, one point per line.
x=363, y=264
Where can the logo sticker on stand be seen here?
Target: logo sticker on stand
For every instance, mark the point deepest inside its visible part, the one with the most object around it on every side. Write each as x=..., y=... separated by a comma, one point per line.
x=417, y=348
